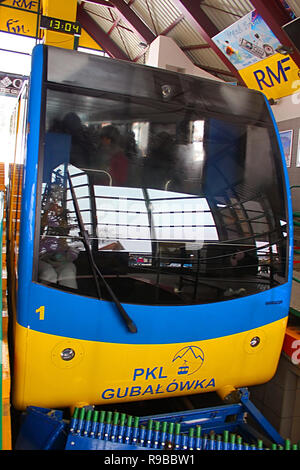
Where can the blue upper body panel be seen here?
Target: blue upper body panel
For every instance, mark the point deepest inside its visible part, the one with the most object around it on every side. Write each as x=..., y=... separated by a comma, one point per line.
x=91, y=319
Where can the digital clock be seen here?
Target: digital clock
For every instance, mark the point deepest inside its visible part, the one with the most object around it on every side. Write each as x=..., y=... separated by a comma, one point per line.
x=61, y=26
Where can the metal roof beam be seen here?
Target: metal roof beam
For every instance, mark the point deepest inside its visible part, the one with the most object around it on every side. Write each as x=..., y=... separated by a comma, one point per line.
x=166, y=31
x=194, y=47
x=101, y=38
x=214, y=70
x=140, y=28
x=103, y=3
x=276, y=15
x=197, y=17
x=203, y=25
x=114, y=25
x=128, y=15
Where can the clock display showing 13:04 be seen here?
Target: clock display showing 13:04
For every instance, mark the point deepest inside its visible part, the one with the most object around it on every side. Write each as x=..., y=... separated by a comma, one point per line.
x=61, y=26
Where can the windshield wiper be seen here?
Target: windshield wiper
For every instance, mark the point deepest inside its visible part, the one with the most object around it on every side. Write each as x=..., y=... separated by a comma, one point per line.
x=95, y=270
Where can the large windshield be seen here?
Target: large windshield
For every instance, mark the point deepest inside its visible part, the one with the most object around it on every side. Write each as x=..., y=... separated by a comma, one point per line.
x=179, y=204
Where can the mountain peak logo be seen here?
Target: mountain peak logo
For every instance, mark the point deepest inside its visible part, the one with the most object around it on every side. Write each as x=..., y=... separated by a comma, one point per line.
x=188, y=359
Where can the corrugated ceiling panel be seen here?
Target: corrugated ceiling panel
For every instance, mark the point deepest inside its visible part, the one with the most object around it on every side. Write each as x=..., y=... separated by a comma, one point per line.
x=101, y=15
x=123, y=36
x=206, y=57
x=159, y=15
x=127, y=40
x=223, y=13
x=185, y=35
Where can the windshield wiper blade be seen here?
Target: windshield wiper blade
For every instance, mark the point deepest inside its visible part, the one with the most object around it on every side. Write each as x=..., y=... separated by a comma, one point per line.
x=96, y=272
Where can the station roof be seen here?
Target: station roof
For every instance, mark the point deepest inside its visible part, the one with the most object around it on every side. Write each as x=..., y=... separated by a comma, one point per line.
x=125, y=28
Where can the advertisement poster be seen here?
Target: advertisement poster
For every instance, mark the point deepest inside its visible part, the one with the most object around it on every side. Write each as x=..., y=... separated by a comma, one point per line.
x=10, y=85
x=251, y=47
x=247, y=41
x=287, y=143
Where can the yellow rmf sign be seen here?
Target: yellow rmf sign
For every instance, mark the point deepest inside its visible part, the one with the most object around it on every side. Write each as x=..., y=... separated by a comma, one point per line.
x=20, y=18
x=29, y=5
x=275, y=76
x=18, y=22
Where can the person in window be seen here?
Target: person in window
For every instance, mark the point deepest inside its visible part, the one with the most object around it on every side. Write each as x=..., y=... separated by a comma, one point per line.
x=161, y=166
x=112, y=156
x=83, y=139
x=56, y=262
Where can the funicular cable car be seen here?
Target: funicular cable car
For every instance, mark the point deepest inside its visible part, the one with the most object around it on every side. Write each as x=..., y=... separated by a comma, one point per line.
x=155, y=240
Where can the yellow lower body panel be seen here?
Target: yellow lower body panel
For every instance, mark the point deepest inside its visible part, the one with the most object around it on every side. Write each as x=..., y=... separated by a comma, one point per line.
x=103, y=373
x=6, y=382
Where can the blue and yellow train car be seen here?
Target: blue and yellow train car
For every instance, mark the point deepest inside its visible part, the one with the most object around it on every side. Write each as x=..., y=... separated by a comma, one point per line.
x=155, y=240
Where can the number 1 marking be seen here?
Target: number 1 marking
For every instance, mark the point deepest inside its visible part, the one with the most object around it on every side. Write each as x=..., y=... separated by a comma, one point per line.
x=41, y=311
